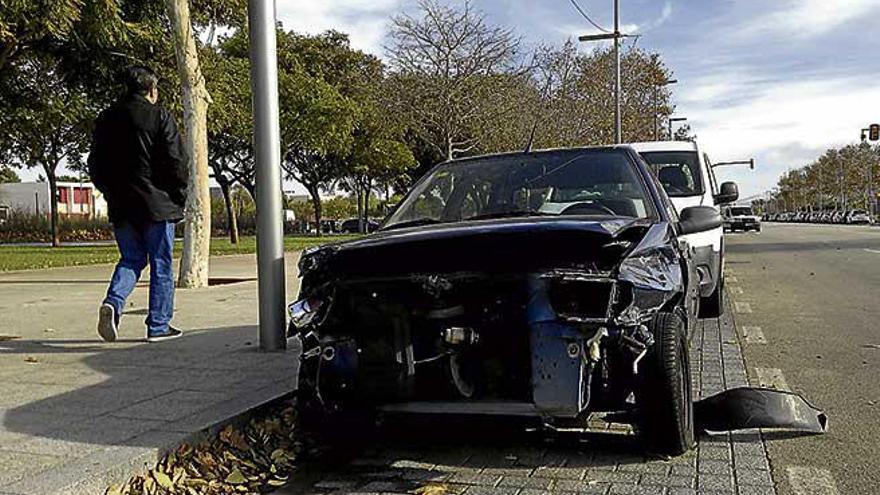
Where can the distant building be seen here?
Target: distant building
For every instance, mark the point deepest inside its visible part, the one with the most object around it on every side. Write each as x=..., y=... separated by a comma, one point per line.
x=74, y=199
x=297, y=198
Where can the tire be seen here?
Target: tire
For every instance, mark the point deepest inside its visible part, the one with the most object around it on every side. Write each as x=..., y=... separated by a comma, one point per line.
x=713, y=305
x=664, y=394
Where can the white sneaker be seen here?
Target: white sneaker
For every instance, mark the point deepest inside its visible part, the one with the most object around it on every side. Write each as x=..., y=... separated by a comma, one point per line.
x=107, y=324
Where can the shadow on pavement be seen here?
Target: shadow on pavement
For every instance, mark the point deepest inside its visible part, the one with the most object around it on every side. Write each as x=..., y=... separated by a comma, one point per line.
x=87, y=394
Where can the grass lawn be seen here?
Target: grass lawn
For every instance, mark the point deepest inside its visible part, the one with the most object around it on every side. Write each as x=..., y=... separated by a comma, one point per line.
x=29, y=258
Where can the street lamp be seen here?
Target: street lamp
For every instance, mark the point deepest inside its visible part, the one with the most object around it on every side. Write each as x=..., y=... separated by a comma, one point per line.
x=657, y=106
x=750, y=162
x=671, y=121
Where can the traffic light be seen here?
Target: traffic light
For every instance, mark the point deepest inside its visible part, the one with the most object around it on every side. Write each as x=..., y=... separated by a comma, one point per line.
x=874, y=132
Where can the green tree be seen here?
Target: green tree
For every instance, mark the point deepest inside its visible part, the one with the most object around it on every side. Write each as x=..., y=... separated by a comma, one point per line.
x=44, y=26
x=230, y=154
x=47, y=122
x=316, y=122
x=376, y=151
x=8, y=175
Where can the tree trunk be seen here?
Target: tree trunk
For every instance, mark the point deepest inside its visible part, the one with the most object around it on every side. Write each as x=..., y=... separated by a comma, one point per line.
x=53, y=205
x=316, y=204
x=231, y=217
x=197, y=231
x=360, y=206
x=367, y=187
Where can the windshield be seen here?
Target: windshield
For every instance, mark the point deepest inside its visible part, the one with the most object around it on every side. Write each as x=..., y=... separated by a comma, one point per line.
x=678, y=171
x=740, y=211
x=574, y=182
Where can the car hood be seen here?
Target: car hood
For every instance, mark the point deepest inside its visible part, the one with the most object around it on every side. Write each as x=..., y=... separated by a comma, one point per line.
x=506, y=245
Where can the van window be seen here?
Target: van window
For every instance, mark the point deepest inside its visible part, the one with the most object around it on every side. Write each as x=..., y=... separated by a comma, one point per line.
x=678, y=171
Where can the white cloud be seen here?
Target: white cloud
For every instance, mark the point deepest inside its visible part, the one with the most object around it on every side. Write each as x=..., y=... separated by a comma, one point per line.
x=365, y=21
x=784, y=125
x=805, y=18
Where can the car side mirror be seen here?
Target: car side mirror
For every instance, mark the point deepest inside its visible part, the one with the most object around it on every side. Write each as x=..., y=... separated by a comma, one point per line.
x=728, y=194
x=698, y=219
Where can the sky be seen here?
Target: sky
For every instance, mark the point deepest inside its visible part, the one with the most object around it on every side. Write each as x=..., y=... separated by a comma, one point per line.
x=780, y=81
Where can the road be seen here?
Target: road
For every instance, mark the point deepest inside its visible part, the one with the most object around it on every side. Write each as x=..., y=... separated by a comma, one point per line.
x=813, y=293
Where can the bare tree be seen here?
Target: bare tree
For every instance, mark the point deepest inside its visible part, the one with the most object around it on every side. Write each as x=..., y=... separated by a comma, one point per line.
x=197, y=232
x=452, y=73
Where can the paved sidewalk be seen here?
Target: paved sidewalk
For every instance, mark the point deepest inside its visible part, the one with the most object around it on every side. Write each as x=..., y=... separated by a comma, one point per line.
x=607, y=459
x=77, y=413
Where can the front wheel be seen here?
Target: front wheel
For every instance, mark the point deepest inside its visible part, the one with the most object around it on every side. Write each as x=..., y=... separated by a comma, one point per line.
x=664, y=395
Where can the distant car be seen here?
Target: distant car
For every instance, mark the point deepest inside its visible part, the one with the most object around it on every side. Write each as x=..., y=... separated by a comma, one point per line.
x=351, y=226
x=742, y=218
x=858, y=217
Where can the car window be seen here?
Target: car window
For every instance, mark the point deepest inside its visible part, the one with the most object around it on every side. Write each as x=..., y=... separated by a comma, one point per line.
x=573, y=182
x=677, y=171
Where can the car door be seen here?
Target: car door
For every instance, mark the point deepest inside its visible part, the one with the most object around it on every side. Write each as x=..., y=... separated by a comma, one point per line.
x=689, y=267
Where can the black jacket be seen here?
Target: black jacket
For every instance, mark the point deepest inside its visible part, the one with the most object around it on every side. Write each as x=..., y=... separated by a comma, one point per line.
x=138, y=162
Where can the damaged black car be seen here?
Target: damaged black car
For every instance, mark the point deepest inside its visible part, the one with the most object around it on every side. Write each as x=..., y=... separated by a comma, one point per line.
x=548, y=284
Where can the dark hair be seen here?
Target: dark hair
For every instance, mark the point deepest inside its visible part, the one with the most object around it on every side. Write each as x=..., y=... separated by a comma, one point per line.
x=139, y=80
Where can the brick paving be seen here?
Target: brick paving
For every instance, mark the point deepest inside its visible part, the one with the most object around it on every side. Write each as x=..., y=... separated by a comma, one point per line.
x=604, y=459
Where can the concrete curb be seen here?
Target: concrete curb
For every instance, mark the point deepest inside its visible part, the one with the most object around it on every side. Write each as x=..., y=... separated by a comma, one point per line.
x=116, y=464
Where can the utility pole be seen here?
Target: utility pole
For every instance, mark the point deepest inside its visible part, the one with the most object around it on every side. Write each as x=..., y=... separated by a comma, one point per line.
x=657, y=106
x=267, y=156
x=618, y=135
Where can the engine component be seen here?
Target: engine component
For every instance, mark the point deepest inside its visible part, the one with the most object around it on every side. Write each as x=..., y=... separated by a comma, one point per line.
x=302, y=312
x=460, y=336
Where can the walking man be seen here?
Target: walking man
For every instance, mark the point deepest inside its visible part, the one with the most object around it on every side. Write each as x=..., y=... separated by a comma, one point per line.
x=138, y=163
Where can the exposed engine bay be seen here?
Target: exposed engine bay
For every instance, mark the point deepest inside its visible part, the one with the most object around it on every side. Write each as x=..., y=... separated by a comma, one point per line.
x=562, y=340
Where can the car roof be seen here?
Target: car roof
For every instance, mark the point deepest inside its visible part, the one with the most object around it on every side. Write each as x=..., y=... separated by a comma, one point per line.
x=664, y=146
x=547, y=151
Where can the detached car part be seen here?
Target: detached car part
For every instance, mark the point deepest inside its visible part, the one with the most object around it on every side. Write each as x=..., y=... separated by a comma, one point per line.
x=746, y=407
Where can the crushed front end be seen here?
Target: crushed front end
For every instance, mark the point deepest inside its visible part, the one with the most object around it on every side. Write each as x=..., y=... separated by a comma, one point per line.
x=546, y=320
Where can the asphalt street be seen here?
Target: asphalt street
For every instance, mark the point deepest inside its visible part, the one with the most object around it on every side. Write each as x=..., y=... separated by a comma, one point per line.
x=807, y=305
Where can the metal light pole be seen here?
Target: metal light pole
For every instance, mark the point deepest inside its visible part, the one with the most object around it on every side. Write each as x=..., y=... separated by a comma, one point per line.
x=617, y=132
x=617, y=91
x=657, y=106
x=267, y=155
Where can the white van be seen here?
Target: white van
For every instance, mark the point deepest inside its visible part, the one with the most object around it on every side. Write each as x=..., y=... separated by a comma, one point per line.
x=687, y=177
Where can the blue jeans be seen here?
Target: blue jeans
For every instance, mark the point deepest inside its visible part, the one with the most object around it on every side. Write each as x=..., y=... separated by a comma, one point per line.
x=151, y=243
